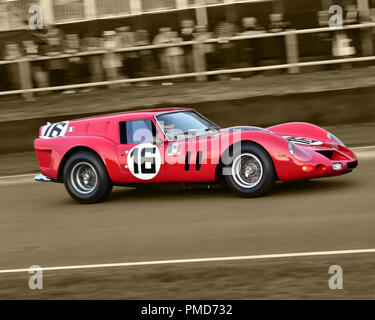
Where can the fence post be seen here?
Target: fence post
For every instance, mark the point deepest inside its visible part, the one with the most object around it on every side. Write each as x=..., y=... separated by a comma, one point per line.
x=182, y=4
x=366, y=33
x=292, y=55
x=89, y=7
x=48, y=12
x=135, y=6
x=199, y=60
x=201, y=13
x=24, y=74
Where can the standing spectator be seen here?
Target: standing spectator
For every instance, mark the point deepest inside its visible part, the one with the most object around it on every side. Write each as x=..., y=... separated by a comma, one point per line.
x=163, y=37
x=250, y=26
x=146, y=60
x=225, y=30
x=277, y=23
x=175, y=55
x=372, y=14
x=55, y=47
x=187, y=34
x=352, y=17
x=341, y=47
x=76, y=64
x=38, y=73
x=95, y=66
x=341, y=43
x=129, y=58
x=251, y=47
x=201, y=34
x=13, y=52
x=325, y=38
x=111, y=60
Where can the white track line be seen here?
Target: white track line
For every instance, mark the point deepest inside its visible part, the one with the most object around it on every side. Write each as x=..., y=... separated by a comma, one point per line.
x=181, y=261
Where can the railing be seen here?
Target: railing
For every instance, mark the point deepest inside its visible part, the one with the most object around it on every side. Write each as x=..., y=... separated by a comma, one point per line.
x=292, y=64
x=154, y=5
x=105, y=8
x=14, y=12
x=71, y=10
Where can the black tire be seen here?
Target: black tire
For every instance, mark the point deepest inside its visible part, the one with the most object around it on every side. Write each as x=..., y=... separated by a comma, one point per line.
x=86, y=178
x=254, y=168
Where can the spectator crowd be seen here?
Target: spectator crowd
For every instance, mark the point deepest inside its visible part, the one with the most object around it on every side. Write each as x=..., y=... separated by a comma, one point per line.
x=176, y=58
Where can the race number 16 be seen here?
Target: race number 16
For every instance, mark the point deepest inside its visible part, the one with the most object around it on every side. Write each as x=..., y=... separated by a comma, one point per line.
x=144, y=161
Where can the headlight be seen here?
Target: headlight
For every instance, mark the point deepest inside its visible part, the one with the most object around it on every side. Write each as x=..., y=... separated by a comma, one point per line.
x=332, y=137
x=298, y=152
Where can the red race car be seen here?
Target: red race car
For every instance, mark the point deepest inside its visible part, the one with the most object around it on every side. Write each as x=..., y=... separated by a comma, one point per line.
x=92, y=155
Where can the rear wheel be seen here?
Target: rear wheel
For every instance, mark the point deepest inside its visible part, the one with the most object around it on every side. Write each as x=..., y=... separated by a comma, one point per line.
x=251, y=173
x=86, y=178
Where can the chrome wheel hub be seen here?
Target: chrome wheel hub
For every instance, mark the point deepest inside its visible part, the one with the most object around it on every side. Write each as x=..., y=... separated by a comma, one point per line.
x=84, y=177
x=247, y=170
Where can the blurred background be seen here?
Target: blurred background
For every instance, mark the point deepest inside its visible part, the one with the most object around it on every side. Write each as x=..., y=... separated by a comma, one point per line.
x=126, y=41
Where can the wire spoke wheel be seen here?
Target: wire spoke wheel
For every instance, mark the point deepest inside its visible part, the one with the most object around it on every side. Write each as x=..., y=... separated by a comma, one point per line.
x=84, y=177
x=251, y=172
x=247, y=170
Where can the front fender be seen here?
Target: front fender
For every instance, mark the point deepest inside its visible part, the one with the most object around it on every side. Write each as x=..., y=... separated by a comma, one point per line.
x=300, y=129
x=275, y=146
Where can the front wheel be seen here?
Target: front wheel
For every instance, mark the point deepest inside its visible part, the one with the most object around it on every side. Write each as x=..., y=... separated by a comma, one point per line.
x=251, y=173
x=86, y=178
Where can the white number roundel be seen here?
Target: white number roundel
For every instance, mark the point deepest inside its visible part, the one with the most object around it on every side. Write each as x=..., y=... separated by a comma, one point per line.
x=144, y=161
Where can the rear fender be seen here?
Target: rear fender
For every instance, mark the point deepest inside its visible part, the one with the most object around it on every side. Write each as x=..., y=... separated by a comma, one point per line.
x=62, y=148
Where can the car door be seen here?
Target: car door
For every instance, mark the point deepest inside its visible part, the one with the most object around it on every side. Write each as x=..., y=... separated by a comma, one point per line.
x=140, y=152
x=189, y=160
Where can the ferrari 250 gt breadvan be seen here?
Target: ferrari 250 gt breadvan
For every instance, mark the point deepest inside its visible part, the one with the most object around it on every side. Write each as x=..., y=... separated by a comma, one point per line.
x=92, y=155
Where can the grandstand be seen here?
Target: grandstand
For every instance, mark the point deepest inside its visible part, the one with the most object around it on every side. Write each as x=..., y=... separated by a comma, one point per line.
x=302, y=13
x=302, y=45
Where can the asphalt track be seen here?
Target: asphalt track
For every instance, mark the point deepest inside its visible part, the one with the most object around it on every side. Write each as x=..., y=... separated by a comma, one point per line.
x=41, y=225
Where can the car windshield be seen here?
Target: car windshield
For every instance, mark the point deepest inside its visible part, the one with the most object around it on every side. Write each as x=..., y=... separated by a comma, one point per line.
x=184, y=124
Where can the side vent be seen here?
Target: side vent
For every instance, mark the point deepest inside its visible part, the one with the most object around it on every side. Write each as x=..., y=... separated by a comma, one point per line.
x=187, y=161
x=198, y=163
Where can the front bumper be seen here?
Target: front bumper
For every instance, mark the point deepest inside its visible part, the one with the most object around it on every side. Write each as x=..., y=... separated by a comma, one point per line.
x=325, y=162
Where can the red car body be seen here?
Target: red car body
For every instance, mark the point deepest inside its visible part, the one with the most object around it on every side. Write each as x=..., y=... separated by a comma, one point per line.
x=101, y=135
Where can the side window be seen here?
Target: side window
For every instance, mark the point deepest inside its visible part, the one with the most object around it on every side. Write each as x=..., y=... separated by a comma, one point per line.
x=138, y=131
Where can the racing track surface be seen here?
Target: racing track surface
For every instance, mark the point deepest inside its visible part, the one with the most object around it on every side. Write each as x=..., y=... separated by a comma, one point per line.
x=40, y=224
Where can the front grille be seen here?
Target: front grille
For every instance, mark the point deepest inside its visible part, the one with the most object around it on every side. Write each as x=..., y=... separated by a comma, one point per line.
x=352, y=165
x=327, y=153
